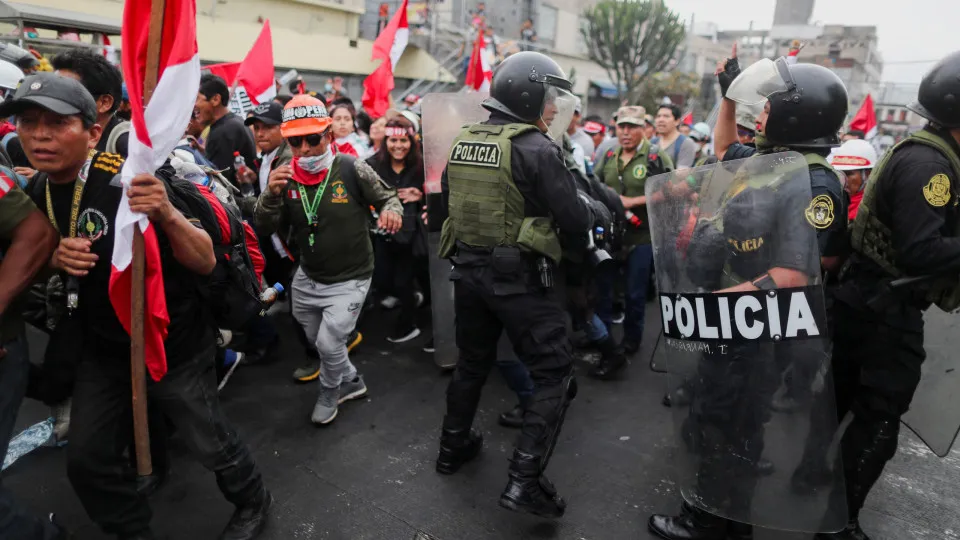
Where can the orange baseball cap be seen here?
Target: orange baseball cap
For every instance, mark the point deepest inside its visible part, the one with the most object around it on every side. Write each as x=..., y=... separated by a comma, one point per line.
x=304, y=115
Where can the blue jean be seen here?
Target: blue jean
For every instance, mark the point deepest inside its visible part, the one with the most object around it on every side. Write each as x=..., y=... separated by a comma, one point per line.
x=15, y=522
x=637, y=274
x=517, y=377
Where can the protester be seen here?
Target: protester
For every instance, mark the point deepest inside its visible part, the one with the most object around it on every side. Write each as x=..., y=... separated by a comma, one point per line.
x=649, y=128
x=328, y=291
x=228, y=135
x=399, y=164
x=105, y=83
x=577, y=135
x=672, y=142
x=58, y=145
x=856, y=159
x=346, y=140
x=597, y=132
x=377, y=133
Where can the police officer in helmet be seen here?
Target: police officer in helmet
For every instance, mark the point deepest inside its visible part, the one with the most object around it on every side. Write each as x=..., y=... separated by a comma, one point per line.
x=804, y=106
x=908, y=225
x=508, y=193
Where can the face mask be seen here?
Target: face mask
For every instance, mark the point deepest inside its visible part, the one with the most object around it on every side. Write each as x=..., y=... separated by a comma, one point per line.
x=328, y=87
x=315, y=164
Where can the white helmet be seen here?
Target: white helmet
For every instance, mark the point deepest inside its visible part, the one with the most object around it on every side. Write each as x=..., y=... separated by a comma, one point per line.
x=854, y=155
x=700, y=131
x=10, y=76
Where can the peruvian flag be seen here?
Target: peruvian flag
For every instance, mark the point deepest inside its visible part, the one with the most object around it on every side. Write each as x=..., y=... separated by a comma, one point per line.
x=688, y=119
x=794, y=52
x=866, y=118
x=226, y=71
x=479, y=73
x=156, y=128
x=388, y=47
x=255, y=75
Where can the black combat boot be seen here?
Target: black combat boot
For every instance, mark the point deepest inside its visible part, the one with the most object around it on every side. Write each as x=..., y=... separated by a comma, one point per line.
x=249, y=519
x=512, y=418
x=457, y=447
x=528, y=490
x=612, y=359
x=851, y=532
x=691, y=524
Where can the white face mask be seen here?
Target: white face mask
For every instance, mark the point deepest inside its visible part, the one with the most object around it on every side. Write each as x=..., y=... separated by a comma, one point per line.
x=315, y=164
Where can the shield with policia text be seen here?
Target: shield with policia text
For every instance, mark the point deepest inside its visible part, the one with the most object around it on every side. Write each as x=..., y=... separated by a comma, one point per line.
x=741, y=301
x=443, y=115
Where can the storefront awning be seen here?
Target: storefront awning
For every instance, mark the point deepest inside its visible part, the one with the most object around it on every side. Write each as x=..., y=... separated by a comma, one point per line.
x=608, y=90
x=57, y=19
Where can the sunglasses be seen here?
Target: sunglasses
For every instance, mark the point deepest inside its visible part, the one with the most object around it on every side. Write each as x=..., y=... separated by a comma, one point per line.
x=744, y=133
x=313, y=139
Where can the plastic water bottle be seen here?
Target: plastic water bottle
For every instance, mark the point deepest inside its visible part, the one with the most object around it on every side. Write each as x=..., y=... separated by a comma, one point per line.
x=269, y=296
x=239, y=165
x=27, y=441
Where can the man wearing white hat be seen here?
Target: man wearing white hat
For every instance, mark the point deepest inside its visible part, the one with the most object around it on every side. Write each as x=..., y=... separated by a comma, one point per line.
x=855, y=158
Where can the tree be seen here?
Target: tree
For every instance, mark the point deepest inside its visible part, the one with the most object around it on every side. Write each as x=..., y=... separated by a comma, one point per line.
x=679, y=86
x=631, y=38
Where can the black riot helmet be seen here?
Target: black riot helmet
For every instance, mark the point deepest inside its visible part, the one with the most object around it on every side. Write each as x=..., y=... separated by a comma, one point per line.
x=523, y=83
x=939, y=97
x=808, y=103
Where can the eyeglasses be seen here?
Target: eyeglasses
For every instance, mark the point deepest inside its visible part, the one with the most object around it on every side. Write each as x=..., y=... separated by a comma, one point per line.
x=313, y=139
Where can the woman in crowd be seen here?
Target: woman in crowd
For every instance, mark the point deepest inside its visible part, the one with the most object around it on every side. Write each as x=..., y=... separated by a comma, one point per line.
x=377, y=134
x=345, y=132
x=398, y=163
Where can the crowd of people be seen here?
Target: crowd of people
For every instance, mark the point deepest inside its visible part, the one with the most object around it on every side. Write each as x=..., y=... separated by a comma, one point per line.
x=312, y=197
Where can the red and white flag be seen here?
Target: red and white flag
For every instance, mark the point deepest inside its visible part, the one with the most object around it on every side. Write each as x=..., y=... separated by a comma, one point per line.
x=866, y=118
x=687, y=119
x=388, y=47
x=479, y=72
x=226, y=71
x=256, y=72
x=156, y=130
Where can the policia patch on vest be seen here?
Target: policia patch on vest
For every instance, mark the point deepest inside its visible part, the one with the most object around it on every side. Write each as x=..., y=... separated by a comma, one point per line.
x=937, y=191
x=820, y=212
x=482, y=154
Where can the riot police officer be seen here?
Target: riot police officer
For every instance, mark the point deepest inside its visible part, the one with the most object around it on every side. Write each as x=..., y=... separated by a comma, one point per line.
x=907, y=225
x=804, y=106
x=507, y=192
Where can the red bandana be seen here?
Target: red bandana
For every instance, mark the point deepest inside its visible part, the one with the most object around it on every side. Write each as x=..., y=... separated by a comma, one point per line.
x=308, y=179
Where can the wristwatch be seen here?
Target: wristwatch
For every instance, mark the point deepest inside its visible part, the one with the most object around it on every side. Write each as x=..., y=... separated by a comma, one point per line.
x=765, y=283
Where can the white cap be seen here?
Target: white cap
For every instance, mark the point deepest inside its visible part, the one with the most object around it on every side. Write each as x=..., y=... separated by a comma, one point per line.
x=854, y=155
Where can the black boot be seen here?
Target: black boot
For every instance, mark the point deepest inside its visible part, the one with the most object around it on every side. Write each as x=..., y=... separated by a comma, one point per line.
x=612, y=359
x=529, y=491
x=457, y=447
x=691, y=524
x=851, y=532
x=249, y=520
x=512, y=418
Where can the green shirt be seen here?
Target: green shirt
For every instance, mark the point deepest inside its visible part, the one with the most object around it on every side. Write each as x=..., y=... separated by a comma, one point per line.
x=15, y=206
x=629, y=179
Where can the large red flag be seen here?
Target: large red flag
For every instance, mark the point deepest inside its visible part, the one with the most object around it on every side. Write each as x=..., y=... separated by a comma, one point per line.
x=388, y=47
x=256, y=71
x=226, y=71
x=156, y=130
x=866, y=118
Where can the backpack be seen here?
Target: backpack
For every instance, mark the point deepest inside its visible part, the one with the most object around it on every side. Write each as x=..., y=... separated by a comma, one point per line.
x=118, y=130
x=233, y=289
x=676, y=146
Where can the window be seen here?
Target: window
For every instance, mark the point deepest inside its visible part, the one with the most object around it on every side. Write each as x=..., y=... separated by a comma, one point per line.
x=903, y=115
x=547, y=25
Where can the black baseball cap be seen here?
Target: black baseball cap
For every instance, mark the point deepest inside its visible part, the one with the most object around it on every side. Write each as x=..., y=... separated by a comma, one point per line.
x=270, y=113
x=58, y=94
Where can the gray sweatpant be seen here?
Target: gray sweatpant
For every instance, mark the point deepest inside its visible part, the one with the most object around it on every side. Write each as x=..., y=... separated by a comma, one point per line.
x=329, y=313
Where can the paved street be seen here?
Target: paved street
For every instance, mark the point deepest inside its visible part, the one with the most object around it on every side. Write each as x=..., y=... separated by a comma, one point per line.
x=370, y=474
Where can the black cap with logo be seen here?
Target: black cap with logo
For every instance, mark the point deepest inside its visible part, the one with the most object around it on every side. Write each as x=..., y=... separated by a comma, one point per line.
x=58, y=94
x=270, y=113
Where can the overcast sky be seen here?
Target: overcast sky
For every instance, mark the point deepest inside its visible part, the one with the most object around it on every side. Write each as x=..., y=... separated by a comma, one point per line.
x=911, y=31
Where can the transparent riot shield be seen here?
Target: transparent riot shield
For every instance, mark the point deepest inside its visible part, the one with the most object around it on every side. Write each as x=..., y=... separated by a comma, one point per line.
x=741, y=302
x=933, y=414
x=443, y=115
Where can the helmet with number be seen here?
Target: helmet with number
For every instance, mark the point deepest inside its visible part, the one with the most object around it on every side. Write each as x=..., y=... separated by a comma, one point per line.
x=808, y=103
x=939, y=97
x=525, y=87
x=854, y=155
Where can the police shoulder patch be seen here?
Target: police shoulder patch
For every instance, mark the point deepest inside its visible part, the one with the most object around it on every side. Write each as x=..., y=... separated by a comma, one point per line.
x=937, y=191
x=110, y=163
x=819, y=212
x=482, y=154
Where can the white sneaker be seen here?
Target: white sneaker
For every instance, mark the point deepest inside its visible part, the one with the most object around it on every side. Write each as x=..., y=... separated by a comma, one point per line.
x=418, y=296
x=233, y=367
x=390, y=302
x=405, y=337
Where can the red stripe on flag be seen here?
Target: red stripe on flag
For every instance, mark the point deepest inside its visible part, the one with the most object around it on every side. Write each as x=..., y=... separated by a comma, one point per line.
x=155, y=319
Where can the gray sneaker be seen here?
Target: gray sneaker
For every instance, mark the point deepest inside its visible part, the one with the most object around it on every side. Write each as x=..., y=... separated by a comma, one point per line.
x=326, y=408
x=352, y=389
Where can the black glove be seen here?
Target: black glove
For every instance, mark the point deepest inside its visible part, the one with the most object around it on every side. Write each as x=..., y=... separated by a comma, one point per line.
x=731, y=69
x=601, y=214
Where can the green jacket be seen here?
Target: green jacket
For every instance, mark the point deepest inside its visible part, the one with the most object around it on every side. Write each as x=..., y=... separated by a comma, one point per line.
x=630, y=180
x=15, y=206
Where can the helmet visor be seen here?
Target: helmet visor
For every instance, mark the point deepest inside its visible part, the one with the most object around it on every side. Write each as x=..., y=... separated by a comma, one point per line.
x=558, y=108
x=758, y=82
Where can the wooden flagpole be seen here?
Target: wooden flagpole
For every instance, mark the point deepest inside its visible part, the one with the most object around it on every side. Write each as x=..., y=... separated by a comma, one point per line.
x=138, y=366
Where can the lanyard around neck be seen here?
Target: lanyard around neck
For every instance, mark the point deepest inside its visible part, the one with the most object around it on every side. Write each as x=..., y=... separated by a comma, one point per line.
x=78, y=186
x=310, y=206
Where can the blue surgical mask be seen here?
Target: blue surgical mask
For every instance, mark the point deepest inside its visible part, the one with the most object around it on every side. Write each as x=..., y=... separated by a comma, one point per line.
x=328, y=87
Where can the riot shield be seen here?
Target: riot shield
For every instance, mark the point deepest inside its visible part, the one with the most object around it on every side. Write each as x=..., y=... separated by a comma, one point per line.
x=443, y=116
x=933, y=414
x=741, y=302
